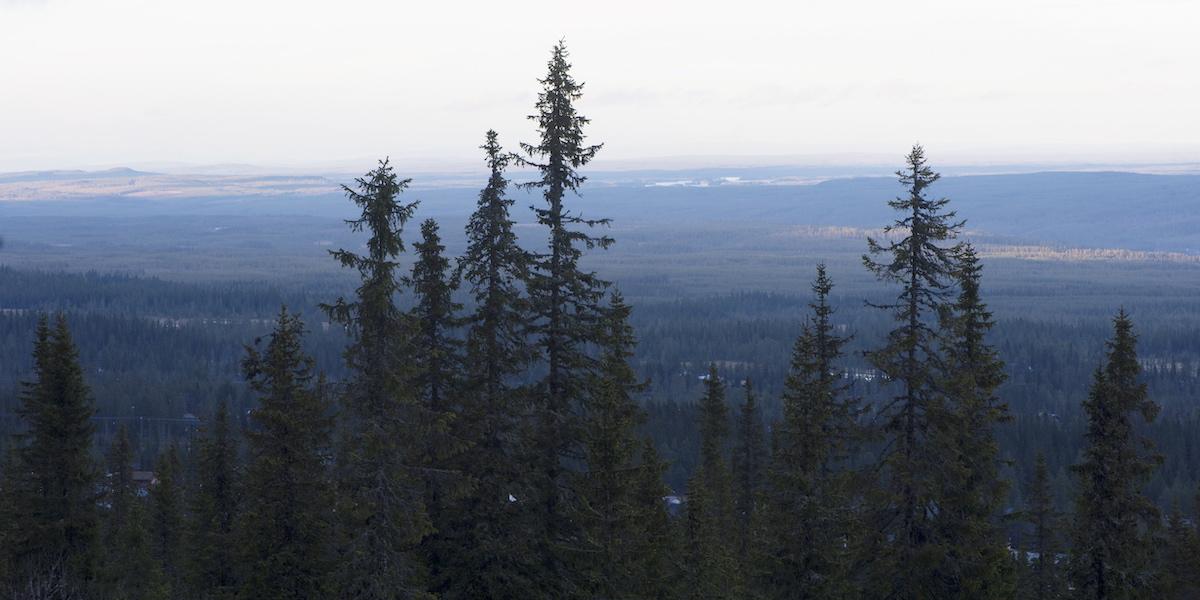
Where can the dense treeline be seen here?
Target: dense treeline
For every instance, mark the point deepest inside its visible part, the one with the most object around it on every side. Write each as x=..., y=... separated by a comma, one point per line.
x=140, y=368
x=500, y=449
x=127, y=295
x=748, y=334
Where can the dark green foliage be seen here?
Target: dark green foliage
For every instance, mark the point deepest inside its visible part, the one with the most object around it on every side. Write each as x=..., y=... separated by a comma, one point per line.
x=166, y=519
x=137, y=574
x=486, y=534
x=495, y=268
x=711, y=567
x=749, y=472
x=654, y=547
x=130, y=569
x=437, y=356
x=438, y=364
x=565, y=311
x=714, y=421
x=501, y=454
x=1043, y=577
x=1179, y=563
x=976, y=562
x=1112, y=544
x=8, y=520
x=612, y=515
x=284, y=529
x=810, y=507
x=214, y=509
x=53, y=481
x=121, y=492
x=382, y=511
x=918, y=259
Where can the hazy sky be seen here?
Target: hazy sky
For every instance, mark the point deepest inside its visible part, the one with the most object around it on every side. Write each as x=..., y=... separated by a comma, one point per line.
x=112, y=82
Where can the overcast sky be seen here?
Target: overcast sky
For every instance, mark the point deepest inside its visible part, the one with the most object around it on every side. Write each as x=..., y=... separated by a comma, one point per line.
x=87, y=83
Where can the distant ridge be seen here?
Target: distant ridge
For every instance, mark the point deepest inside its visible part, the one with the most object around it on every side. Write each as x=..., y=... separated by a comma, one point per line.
x=70, y=175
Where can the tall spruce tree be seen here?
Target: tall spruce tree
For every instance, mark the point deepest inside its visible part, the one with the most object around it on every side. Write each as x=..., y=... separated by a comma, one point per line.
x=285, y=526
x=438, y=363
x=1043, y=579
x=711, y=569
x=749, y=473
x=810, y=505
x=495, y=267
x=54, y=495
x=487, y=534
x=166, y=519
x=1112, y=548
x=214, y=509
x=976, y=563
x=382, y=513
x=907, y=553
x=121, y=490
x=610, y=512
x=437, y=354
x=565, y=306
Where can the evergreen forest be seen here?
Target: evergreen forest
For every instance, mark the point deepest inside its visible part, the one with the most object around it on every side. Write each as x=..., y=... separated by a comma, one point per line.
x=478, y=409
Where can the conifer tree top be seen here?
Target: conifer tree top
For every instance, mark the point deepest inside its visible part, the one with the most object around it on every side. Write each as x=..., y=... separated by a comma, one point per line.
x=562, y=145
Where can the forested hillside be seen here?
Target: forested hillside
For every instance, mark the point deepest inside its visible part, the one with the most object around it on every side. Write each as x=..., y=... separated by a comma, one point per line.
x=804, y=396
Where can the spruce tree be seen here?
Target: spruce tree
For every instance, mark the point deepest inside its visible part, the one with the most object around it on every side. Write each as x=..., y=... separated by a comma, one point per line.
x=437, y=358
x=55, y=481
x=976, y=560
x=1043, y=578
x=809, y=501
x=565, y=306
x=487, y=533
x=139, y=574
x=284, y=528
x=130, y=570
x=214, y=510
x=908, y=554
x=653, y=546
x=495, y=267
x=382, y=513
x=166, y=518
x=609, y=509
x=8, y=517
x=1178, y=576
x=749, y=472
x=1112, y=545
x=711, y=571
x=121, y=490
